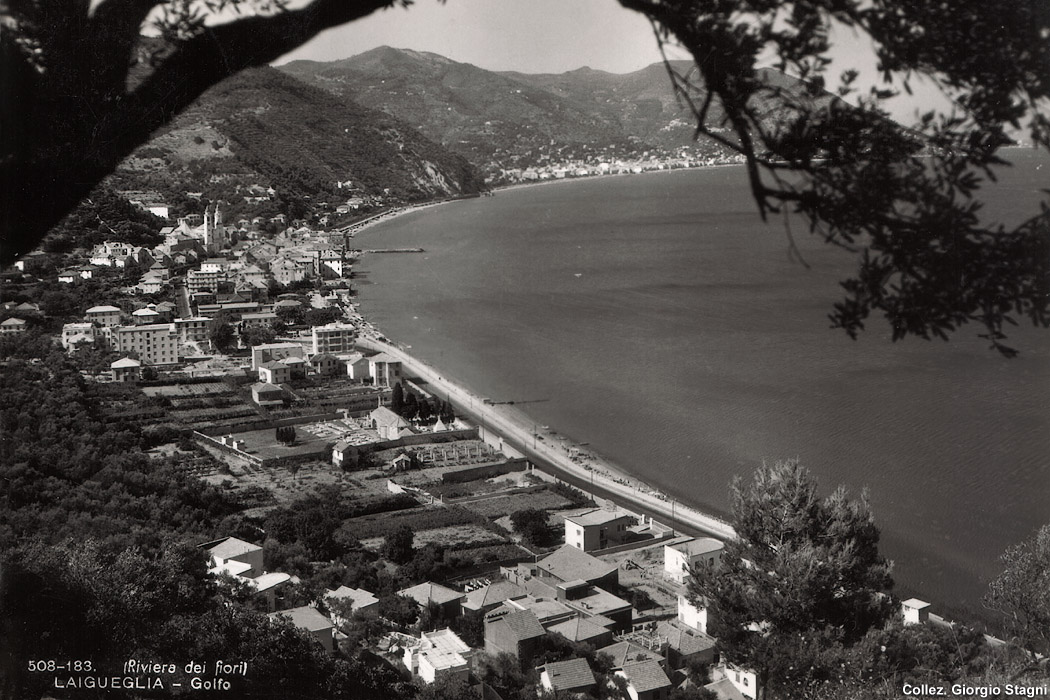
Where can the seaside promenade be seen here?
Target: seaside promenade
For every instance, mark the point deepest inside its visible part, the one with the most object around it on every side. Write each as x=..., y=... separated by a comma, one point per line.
x=626, y=491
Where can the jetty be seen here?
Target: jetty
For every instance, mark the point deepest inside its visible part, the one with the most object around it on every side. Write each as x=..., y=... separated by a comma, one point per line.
x=394, y=250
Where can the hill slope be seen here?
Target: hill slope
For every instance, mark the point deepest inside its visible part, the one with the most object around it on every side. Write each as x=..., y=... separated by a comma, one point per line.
x=265, y=127
x=513, y=119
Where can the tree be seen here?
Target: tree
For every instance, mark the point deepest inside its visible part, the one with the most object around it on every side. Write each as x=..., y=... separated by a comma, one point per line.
x=531, y=524
x=258, y=335
x=803, y=576
x=397, y=399
x=1022, y=592
x=397, y=546
x=905, y=199
x=221, y=334
x=398, y=609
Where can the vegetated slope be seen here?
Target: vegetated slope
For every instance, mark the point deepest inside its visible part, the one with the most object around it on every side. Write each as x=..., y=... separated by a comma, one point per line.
x=263, y=126
x=474, y=111
x=502, y=118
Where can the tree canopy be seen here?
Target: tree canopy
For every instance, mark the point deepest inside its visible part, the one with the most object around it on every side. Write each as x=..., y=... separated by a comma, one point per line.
x=906, y=199
x=804, y=575
x=1022, y=592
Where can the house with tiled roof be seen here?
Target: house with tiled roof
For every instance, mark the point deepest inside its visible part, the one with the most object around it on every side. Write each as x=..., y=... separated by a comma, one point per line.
x=547, y=610
x=126, y=370
x=429, y=593
x=12, y=326
x=515, y=632
x=489, y=597
x=571, y=676
x=730, y=682
x=628, y=652
x=646, y=680
x=569, y=563
x=308, y=618
x=685, y=646
x=581, y=629
x=266, y=394
x=388, y=424
x=360, y=601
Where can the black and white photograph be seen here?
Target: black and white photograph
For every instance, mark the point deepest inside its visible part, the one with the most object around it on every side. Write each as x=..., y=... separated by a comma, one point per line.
x=517, y=350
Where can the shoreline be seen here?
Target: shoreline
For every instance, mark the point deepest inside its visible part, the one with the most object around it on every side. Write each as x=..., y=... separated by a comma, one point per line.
x=357, y=227
x=562, y=456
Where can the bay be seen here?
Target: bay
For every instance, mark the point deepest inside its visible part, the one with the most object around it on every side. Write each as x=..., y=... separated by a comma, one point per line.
x=659, y=319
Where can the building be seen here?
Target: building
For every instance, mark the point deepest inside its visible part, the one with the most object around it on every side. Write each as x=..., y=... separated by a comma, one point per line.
x=680, y=557
x=388, y=424
x=360, y=601
x=915, y=611
x=156, y=344
x=384, y=370
x=434, y=594
x=691, y=615
x=75, y=333
x=262, y=319
x=729, y=681
x=597, y=529
x=646, y=680
x=200, y=280
x=581, y=629
x=104, y=316
x=126, y=370
x=593, y=601
x=195, y=329
x=515, y=632
x=569, y=563
x=268, y=587
x=13, y=326
x=357, y=367
x=572, y=676
x=489, y=597
x=247, y=556
x=145, y=317
x=439, y=655
x=334, y=338
x=275, y=351
x=324, y=364
x=274, y=372
x=266, y=394
x=685, y=646
x=309, y=619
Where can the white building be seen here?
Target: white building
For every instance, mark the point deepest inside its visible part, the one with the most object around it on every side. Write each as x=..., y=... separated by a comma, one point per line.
x=334, y=338
x=106, y=316
x=275, y=351
x=75, y=333
x=597, y=529
x=680, y=557
x=384, y=370
x=156, y=344
x=692, y=616
x=440, y=654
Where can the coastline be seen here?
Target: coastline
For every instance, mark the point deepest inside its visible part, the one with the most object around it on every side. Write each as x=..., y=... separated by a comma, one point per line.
x=552, y=452
x=365, y=224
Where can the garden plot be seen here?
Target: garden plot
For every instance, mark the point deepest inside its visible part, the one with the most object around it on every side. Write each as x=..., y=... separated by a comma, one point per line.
x=452, y=537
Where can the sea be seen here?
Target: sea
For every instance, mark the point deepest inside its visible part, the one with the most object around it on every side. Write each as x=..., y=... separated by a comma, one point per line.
x=657, y=318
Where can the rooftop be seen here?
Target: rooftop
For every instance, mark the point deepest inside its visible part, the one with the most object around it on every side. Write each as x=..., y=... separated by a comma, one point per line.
x=697, y=546
x=358, y=597
x=598, y=516
x=102, y=310
x=305, y=617
x=569, y=675
x=523, y=623
x=493, y=594
x=569, y=563
x=232, y=547
x=126, y=362
x=646, y=675
x=429, y=592
x=624, y=653
x=578, y=629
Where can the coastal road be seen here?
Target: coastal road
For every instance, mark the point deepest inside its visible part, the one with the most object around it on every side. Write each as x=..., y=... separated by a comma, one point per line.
x=627, y=492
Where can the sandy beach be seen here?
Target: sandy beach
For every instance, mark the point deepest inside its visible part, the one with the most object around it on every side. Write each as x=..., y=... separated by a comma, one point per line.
x=558, y=452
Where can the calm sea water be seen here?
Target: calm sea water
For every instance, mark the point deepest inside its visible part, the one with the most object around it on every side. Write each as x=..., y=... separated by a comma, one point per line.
x=661, y=321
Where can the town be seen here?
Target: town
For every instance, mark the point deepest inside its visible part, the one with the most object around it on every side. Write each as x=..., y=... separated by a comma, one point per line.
x=394, y=520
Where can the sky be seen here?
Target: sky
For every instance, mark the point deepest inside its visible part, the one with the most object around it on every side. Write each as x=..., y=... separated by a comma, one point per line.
x=548, y=36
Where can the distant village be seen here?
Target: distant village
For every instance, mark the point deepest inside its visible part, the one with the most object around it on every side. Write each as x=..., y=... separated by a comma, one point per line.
x=249, y=347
